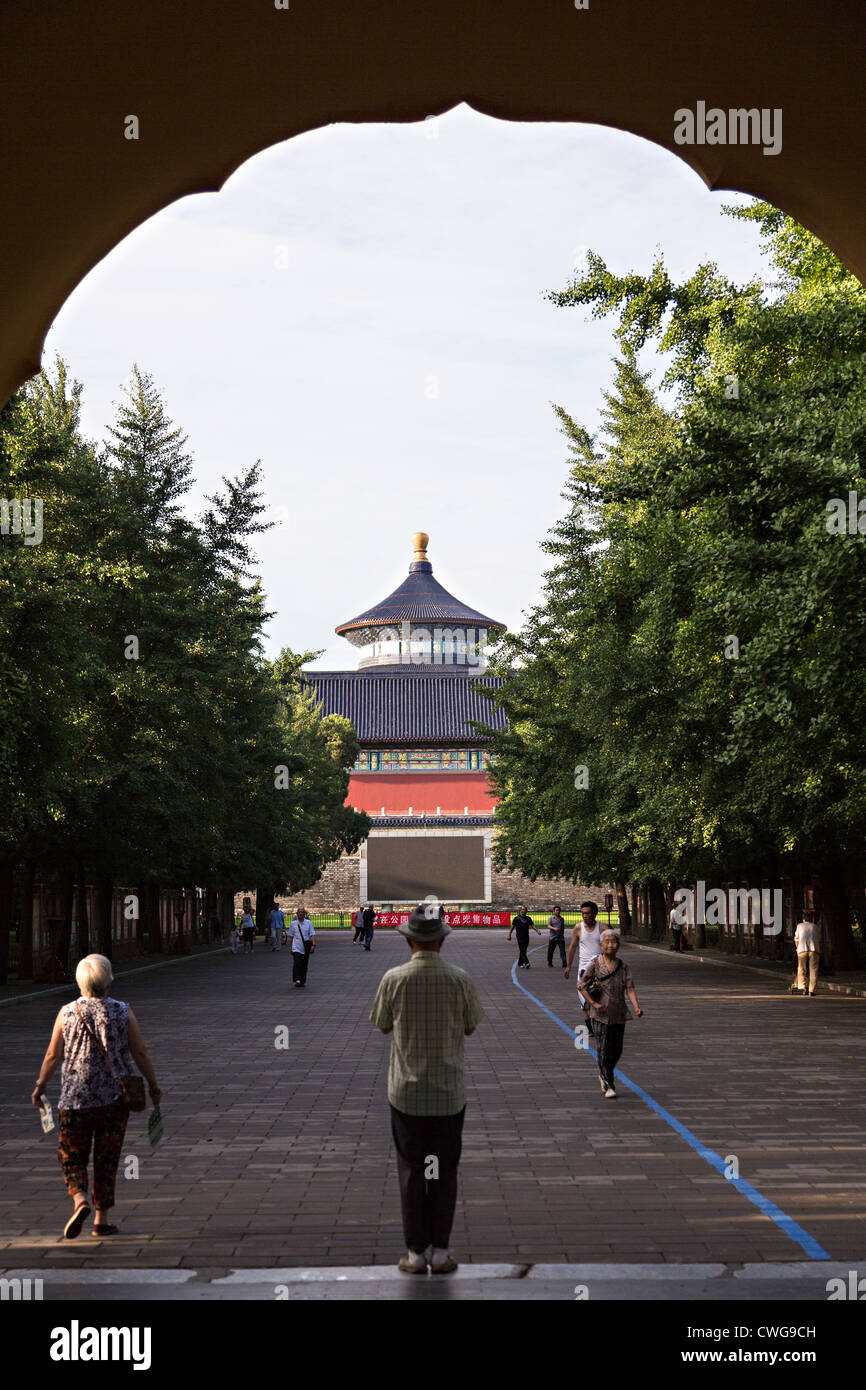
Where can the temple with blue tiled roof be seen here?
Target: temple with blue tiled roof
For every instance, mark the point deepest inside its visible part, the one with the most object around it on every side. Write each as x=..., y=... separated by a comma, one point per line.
x=414, y=701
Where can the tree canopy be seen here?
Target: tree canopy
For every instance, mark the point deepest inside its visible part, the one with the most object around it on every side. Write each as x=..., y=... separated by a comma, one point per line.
x=699, y=646
x=143, y=734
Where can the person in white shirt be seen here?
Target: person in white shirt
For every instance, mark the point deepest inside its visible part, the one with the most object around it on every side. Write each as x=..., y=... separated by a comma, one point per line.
x=248, y=931
x=302, y=934
x=807, y=945
x=586, y=934
x=677, y=928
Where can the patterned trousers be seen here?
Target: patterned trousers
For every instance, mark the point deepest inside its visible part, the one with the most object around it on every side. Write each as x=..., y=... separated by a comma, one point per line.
x=609, y=1038
x=103, y=1126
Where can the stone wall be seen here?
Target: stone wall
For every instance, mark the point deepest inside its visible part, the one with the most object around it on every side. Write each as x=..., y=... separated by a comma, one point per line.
x=512, y=890
x=339, y=887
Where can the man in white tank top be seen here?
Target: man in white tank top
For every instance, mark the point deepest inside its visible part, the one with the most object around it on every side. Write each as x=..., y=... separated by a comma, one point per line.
x=587, y=935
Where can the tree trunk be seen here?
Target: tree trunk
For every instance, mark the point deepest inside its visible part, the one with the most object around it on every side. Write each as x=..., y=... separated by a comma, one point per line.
x=154, y=919
x=700, y=924
x=264, y=898
x=622, y=904
x=5, y=919
x=657, y=913
x=194, y=923
x=83, y=941
x=67, y=897
x=104, y=904
x=670, y=889
x=25, y=936
x=838, y=939
x=227, y=905
x=211, y=916
x=856, y=895
x=142, y=921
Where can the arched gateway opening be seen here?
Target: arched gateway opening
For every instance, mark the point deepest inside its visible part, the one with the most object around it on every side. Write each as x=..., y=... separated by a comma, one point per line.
x=112, y=113
x=146, y=108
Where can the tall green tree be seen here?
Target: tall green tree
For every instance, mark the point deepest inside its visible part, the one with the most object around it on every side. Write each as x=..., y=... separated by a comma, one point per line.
x=699, y=643
x=142, y=727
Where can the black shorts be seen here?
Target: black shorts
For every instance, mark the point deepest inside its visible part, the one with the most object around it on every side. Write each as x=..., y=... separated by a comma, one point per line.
x=249, y=933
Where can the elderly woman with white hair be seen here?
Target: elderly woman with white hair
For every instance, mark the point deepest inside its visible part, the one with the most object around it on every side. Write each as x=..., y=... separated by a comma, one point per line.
x=93, y=1038
x=607, y=984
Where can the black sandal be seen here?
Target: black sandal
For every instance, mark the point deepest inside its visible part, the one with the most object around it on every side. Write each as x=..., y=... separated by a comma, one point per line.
x=76, y=1221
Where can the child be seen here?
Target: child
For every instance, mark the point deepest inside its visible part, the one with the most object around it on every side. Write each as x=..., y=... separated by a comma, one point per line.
x=235, y=939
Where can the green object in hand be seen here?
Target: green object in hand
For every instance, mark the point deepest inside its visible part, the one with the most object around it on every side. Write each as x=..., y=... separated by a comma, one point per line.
x=155, y=1126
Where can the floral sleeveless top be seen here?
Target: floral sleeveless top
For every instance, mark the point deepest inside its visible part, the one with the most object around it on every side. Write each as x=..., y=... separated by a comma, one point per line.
x=86, y=1078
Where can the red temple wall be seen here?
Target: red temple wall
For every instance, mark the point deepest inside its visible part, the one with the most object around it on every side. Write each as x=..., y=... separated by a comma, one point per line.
x=423, y=791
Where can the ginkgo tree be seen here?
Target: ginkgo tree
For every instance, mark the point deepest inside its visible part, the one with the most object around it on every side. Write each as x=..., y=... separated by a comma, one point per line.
x=699, y=647
x=142, y=726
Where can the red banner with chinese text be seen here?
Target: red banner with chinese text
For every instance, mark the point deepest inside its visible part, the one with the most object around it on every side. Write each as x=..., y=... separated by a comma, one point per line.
x=452, y=919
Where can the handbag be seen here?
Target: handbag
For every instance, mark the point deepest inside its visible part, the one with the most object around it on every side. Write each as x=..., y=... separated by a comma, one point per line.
x=594, y=991
x=131, y=1084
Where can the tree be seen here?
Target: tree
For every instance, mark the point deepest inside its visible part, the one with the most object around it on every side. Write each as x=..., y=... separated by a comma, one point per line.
x=697, y=646
x=142, y=726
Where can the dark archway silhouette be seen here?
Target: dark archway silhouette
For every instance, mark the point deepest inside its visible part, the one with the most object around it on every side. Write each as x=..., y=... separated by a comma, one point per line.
x=212, y=82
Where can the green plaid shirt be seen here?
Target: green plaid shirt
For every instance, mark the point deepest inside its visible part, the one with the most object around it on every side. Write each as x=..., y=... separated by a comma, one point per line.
x=429, y=1004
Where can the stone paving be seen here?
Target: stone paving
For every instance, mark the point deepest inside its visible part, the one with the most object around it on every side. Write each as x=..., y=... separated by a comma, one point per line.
x=275, y=1158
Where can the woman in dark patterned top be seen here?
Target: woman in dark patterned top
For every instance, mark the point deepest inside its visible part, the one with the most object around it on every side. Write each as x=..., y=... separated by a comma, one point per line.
x=93, y=1038
x=610, y=1013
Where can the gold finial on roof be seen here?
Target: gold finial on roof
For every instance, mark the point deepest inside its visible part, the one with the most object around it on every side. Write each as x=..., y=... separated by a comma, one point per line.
x=420, y=540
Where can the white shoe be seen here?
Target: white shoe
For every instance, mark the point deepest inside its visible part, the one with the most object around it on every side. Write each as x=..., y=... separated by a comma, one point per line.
x=441, y=1262
x=610, y=1093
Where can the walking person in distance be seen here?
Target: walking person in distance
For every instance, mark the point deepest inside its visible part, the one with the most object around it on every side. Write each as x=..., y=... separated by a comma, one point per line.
x=358, y=924
x=807, y=945
x=248, y=931
x=369, y=923
x=675, y=920
x=606, y=983
x=428, y=1006
x=556, y=936
x=520, y=926
x=276, y=924
x=92, y=1041
x=302, y=937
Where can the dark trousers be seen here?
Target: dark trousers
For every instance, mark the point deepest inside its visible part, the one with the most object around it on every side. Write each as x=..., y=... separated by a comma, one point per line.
x=551, y=947
x=299, y=965
x=609, y=1038
x=522, y=943
x=368, y=938
x=359, y=932
x=427, y=1203
x=103, y=1126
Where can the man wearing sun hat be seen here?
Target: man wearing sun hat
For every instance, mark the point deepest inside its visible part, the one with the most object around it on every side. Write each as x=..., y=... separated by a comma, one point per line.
x=428, y=1006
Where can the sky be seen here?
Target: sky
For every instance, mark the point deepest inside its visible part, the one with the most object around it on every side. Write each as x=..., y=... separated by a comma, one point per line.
x=362, y=309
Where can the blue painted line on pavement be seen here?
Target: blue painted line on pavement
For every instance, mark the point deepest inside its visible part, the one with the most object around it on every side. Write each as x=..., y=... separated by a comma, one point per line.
x=785, y=1223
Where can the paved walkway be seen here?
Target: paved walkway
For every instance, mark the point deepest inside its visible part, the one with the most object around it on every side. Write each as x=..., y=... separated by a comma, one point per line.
x=276, y=1159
